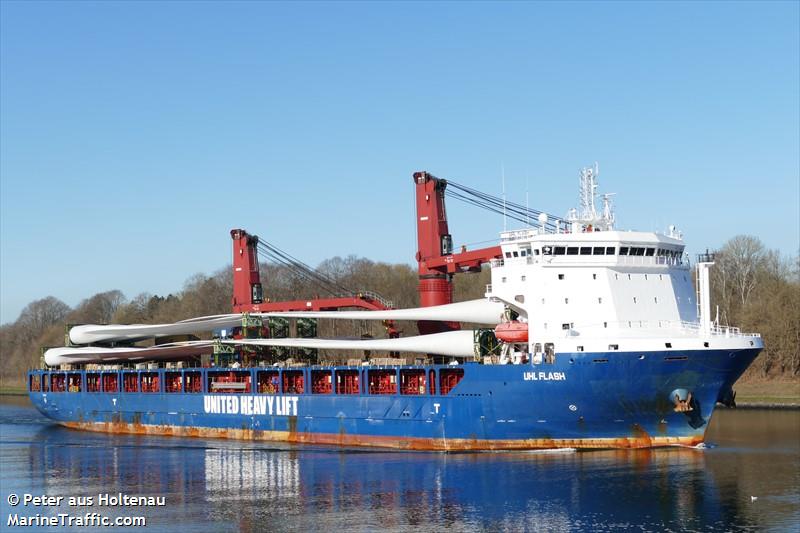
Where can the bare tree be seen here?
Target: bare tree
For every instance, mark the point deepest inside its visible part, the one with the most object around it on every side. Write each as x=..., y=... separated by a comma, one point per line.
x=39, y=314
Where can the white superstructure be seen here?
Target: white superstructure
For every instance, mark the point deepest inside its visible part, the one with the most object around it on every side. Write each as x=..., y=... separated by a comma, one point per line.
x=590, y=287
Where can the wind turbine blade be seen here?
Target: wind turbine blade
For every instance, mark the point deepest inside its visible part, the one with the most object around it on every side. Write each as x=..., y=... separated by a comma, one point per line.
x=92, y=333
x=95, y=354
x=477, y=311
x=451, y=343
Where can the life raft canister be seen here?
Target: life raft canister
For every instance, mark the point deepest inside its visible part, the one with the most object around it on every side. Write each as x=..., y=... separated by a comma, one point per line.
x=512, y=332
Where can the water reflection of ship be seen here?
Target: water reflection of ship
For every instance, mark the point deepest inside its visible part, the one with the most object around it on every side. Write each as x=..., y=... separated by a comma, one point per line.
x=247, y=486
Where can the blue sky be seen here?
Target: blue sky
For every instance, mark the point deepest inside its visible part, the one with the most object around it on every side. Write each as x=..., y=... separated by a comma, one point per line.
x=134, y=135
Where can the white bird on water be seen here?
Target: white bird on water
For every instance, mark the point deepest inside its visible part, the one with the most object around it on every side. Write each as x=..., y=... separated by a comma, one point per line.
x=753, y=498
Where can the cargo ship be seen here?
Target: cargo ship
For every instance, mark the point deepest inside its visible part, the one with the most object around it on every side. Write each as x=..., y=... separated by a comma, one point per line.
x=592, y=338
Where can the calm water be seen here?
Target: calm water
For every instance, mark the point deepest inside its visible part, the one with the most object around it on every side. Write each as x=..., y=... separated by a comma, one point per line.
x=213, y=485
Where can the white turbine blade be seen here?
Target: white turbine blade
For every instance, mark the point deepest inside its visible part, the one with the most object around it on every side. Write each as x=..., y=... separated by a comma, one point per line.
x=94, y=354
x=452, y=343
x=91, y=333
x=477, y=311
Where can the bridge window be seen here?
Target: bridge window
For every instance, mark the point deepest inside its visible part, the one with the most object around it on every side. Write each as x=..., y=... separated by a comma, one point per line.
x=347, y=382
x=623, y=250
x=382, y=382
x=130, y=381
x=35, y=384
x=560, y=250
x=110, y=382
x=412, y=381
x=193, y=382
x=561, y=276
x=611, y=250
x=599, y=250
x=293, y=381
x=649, y=252
x=93, y=382
x=572, y=250
x=173, y=382
x=45, y=382
x=432, y=381
x=515, y=253
x=151, y=382
x=586, y=250
x=321, y=382
x=268, y=381
x=449, y=378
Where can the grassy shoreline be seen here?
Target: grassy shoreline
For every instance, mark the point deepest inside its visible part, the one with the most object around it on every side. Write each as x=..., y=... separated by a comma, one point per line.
x=768, y=393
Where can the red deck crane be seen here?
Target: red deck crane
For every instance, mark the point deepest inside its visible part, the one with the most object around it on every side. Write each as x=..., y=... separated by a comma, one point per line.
x=248, y=293
x=437, y=262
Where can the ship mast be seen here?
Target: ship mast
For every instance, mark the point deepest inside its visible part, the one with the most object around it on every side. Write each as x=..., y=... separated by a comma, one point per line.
x=586, y=216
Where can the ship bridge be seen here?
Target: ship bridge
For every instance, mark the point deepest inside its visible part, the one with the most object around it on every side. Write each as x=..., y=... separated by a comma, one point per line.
x=590, y=281
x=584, y=279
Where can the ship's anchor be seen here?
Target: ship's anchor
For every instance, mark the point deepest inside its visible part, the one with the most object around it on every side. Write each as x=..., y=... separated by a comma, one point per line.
x=687, y=404
x=682, y=400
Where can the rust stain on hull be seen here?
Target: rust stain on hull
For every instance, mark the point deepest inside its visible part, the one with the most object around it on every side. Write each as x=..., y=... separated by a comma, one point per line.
x=638, y=439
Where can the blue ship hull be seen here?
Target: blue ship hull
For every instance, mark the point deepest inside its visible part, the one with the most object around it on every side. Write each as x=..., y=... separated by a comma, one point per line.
x=582, y=400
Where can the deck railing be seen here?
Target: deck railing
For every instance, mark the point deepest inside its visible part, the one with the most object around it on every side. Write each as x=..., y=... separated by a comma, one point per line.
x=679, y=325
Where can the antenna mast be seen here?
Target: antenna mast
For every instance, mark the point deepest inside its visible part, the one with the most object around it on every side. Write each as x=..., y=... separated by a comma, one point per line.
x=503, y=174
x=586, y=215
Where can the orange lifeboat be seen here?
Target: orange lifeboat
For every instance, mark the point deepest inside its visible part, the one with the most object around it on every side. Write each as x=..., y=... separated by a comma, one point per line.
x=512, y=332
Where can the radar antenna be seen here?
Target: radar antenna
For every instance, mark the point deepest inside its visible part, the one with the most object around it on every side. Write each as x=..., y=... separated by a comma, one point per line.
x=586, y=216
